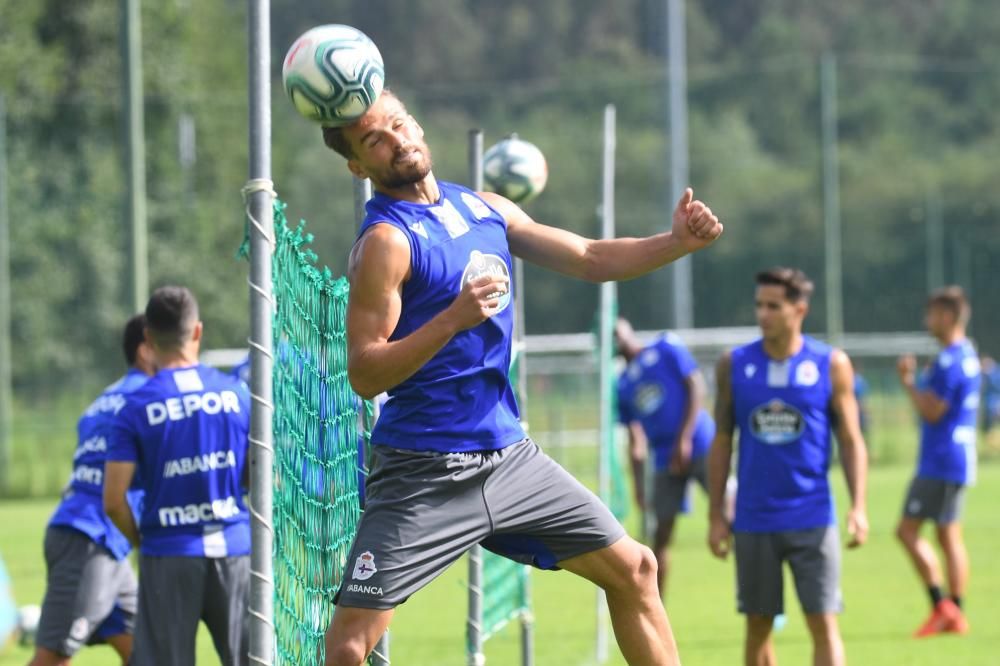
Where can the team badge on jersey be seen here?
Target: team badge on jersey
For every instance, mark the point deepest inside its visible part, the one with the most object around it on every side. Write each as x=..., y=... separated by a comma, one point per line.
x=750, y=370
x=777, y=422
x=487, y=264
x=806, y=374
x=364, y=567
x=648, y=398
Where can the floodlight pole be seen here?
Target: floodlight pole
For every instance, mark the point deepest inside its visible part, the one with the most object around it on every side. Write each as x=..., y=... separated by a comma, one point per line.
x=474, y=621
x=831, y=201
x=362, y=193
x=935, y=238
x=135, y=152
x=259, y=193
x=6, y=383
x=683, y=300
x=607, y=304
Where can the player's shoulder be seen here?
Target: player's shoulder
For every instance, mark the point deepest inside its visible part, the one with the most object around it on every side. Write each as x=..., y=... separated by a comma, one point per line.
x=818, y=347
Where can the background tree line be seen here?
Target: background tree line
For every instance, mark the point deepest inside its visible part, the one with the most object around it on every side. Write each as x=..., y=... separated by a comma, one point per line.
x=917, y=92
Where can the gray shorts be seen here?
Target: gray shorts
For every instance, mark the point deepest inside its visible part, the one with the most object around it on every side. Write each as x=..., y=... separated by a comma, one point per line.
x=89, y=595
x=176, y=594
x=670, y=490
x=933, y=499
x=425, y=509
x=814, y=557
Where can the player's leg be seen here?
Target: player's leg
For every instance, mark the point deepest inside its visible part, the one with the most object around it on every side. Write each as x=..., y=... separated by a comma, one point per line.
x=171, y=596
x=422, y=512
x=80, y=595
x=758, y=650
x=759, y=592
x=814, y=558
x=923, y=499
x=626, y=571
x=668, y=501
x=956, y=557
x=224, y=610
x=545, y=517
x=354, y=633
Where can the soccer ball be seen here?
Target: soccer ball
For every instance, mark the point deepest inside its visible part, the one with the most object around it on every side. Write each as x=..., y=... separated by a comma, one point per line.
x=332, y=74
x=515, y=169
x=27, y=623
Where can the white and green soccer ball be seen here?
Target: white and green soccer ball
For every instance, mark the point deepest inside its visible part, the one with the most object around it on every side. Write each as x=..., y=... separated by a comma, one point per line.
x=333, y=74
x=27, y=624
x=515, y=169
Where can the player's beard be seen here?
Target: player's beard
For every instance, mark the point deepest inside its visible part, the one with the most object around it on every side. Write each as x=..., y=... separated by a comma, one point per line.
x=408, y=168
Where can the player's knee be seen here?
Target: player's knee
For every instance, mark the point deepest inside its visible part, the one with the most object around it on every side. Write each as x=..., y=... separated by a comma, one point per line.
x=643, y=569
x=906, y=535
x=346, y=653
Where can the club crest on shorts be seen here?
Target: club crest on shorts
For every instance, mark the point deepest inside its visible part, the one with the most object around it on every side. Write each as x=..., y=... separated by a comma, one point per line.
x=364, y=567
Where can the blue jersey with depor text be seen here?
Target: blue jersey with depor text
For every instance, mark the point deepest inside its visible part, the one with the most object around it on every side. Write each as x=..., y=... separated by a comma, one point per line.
x=460, y=400
x=948, y=447
x=653, y=392
x=82, y=505
x=782, y=411
x=186, y=430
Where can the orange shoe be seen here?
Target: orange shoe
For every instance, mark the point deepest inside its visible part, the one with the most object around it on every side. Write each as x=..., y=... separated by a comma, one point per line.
x=946, y=616
x=959, y=625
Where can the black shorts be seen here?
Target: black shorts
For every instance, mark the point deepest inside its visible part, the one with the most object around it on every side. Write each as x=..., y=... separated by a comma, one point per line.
x=89, y=595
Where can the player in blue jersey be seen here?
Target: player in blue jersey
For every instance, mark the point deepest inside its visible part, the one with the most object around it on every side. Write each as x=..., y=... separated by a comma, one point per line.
x=430, y=321
x=90, y=592
x=946, y=396
x=184, y=435
x=784, y=393
x=660, y=403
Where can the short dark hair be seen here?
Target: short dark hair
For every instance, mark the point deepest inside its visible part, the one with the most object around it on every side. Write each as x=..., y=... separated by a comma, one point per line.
x=798, y=287
x=133, y=336
x=951, y=298
x=334, y=137
x=171, y=315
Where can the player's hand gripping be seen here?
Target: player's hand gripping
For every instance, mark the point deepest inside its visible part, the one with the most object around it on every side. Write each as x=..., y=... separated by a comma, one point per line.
x=719, y=537
x=906, y=366
x=680, y=461
x=857, y=527
x=478, y=301
x=694, y=224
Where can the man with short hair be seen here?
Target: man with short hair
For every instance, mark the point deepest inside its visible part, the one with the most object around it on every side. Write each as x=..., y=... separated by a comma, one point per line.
x=784, y=393
x=430, y=321
x=90, y=590
x=946, y=396
x=184, y=436
x=660, y=402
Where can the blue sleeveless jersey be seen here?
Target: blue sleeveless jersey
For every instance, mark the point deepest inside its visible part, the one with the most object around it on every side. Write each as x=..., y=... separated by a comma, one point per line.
x=82, y=505
x=781, y=409
x=948, y=447
x=652, y=391
x=186, y=430
x=460, y=400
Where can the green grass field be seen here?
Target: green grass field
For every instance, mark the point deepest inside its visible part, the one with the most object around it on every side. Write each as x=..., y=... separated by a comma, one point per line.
x=884, y=601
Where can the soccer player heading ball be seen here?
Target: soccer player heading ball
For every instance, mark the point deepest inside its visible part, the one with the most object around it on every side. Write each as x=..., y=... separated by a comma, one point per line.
x=430, y=321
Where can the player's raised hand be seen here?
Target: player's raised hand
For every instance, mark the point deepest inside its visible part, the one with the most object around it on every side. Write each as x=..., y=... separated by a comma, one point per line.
x=478, y=301
x=694, y=224
x=719, y=537
x=857, y=527
x=906, y=366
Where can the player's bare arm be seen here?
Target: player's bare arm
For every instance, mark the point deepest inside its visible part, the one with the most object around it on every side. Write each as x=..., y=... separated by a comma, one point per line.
x=853, y=452
x=117, y=480
x=719, y=459
x=378, y=268
x=638, y=452
x=694, y=227
x=681, y=459
x=930, y=407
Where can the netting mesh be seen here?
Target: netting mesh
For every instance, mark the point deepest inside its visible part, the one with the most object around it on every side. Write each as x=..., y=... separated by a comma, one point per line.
x=318, y=439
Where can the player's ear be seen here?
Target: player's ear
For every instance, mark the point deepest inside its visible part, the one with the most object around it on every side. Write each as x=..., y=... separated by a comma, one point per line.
x=357, y=169
x=196, y=332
